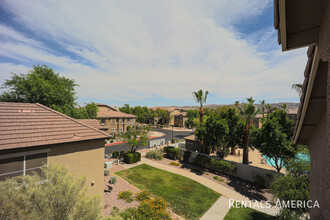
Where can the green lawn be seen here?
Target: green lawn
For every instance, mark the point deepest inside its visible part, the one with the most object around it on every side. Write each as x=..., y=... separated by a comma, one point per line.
x=246, y=213
x=186, y=197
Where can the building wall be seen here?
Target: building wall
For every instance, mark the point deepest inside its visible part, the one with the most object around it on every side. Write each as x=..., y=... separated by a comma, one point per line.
x=318, y=179
x=193, y=145
x=319, y=143
x=85, y=158
x=172, y=114
x=117, y=125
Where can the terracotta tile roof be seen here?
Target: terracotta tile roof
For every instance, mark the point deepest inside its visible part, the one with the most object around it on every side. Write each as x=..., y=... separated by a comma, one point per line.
x=28, y=125
x=91, y=123
x=310, y=55
x=106, y=111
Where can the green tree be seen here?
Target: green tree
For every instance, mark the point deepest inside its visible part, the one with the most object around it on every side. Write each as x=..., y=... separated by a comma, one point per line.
x=273, y=140
x=200, y=97
x=213, y=135
x=163, y=115
x=42, y=85
x=248, y=111
x=60, y=197
x=136, y=138
x=235, y=128
x=126, y=109
x=191, y=115
x=263, y=103
x=294, y=186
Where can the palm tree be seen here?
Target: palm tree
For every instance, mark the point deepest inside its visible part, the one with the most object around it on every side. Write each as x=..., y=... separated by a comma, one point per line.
x=262, y=102
x=269, y=108
x=200, y=98
x=284, y=106
x=297, y=87
x=248, y=111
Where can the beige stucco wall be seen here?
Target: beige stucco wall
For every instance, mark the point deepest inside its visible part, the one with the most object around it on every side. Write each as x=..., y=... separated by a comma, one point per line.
x=82, y=159
x=318, y=178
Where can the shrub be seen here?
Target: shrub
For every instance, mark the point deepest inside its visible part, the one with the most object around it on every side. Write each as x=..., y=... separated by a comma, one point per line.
x=106, y=172
x=142, y=196
x=186, y=156
x=132, y=157
x=263, y=181
x=174, y=163
x=126, y=196
x=115, y=154
x=113, y=180
x=173, y=140
x=216, y=165
x=154, y=208
x=155, y=154
x=202, y=160
x=218, y=178
x=122, y=153
x=172, y=152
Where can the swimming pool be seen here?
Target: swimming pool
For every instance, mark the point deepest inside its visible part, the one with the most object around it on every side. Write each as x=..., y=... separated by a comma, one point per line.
x=300, y=156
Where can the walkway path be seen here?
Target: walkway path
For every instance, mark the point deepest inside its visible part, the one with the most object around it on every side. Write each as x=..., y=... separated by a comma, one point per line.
x=226, y=193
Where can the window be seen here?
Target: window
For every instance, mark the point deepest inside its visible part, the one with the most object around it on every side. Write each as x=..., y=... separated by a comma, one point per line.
x=128, y=120
x=22, y=163
x=113, y=130
x=121, y=120
x=102, y=121
x=121, y=129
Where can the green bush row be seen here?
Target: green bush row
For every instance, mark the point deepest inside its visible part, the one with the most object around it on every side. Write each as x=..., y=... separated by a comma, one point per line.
x=216, y=165
x=132, y=157
x=172, y=152
x=186, y=156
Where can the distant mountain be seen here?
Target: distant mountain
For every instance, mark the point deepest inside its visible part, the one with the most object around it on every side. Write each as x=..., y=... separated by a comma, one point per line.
x=290, y=106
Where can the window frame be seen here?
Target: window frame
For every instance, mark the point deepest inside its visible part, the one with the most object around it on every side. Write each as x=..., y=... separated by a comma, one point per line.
x=24, y=154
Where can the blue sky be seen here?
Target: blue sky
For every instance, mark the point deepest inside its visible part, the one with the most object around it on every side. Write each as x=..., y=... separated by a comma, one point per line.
x=153, y=53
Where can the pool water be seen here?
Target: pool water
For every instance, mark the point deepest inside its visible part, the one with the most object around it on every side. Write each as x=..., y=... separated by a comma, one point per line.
x=300, y=156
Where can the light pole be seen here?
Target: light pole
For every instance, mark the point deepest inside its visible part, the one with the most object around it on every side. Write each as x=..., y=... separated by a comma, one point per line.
x=172, y=133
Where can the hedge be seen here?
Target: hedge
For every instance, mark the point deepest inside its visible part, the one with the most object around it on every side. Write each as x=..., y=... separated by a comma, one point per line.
x=115, y=154
x=132, y=157
x=186, y=156
x=216, y=165
x=172, y=152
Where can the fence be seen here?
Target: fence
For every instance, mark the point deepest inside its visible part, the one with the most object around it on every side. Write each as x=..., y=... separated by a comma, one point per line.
x=156, y=143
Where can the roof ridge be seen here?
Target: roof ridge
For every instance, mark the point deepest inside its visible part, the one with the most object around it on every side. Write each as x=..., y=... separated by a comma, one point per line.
x=68, y=117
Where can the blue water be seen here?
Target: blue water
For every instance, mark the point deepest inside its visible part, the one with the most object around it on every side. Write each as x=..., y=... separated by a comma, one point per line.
x=300, y=156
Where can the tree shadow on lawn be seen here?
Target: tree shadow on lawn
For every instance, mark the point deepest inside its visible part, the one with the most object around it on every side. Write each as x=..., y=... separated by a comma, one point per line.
x=243, y=187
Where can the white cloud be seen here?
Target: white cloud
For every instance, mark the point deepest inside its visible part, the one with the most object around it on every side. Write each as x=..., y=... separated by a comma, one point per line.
x=140, y=49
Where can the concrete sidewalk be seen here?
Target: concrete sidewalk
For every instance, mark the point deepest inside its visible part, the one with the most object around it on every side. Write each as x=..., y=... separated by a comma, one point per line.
x=224, y=191
x=218, y=210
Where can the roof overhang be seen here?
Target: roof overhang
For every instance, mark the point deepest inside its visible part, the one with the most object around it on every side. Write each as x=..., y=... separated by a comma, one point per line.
x=298, y=22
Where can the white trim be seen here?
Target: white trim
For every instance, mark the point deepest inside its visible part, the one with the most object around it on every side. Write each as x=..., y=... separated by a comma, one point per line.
x=25, y=153
x=313, y=70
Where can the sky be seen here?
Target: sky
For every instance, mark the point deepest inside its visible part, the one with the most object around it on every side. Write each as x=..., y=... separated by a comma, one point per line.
x=153, y=53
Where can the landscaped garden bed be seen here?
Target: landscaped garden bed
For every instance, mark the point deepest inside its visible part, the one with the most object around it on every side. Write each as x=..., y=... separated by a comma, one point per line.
x=185, y=197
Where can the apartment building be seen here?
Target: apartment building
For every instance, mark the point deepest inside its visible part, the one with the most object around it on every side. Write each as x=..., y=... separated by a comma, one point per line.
x=114, y=121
